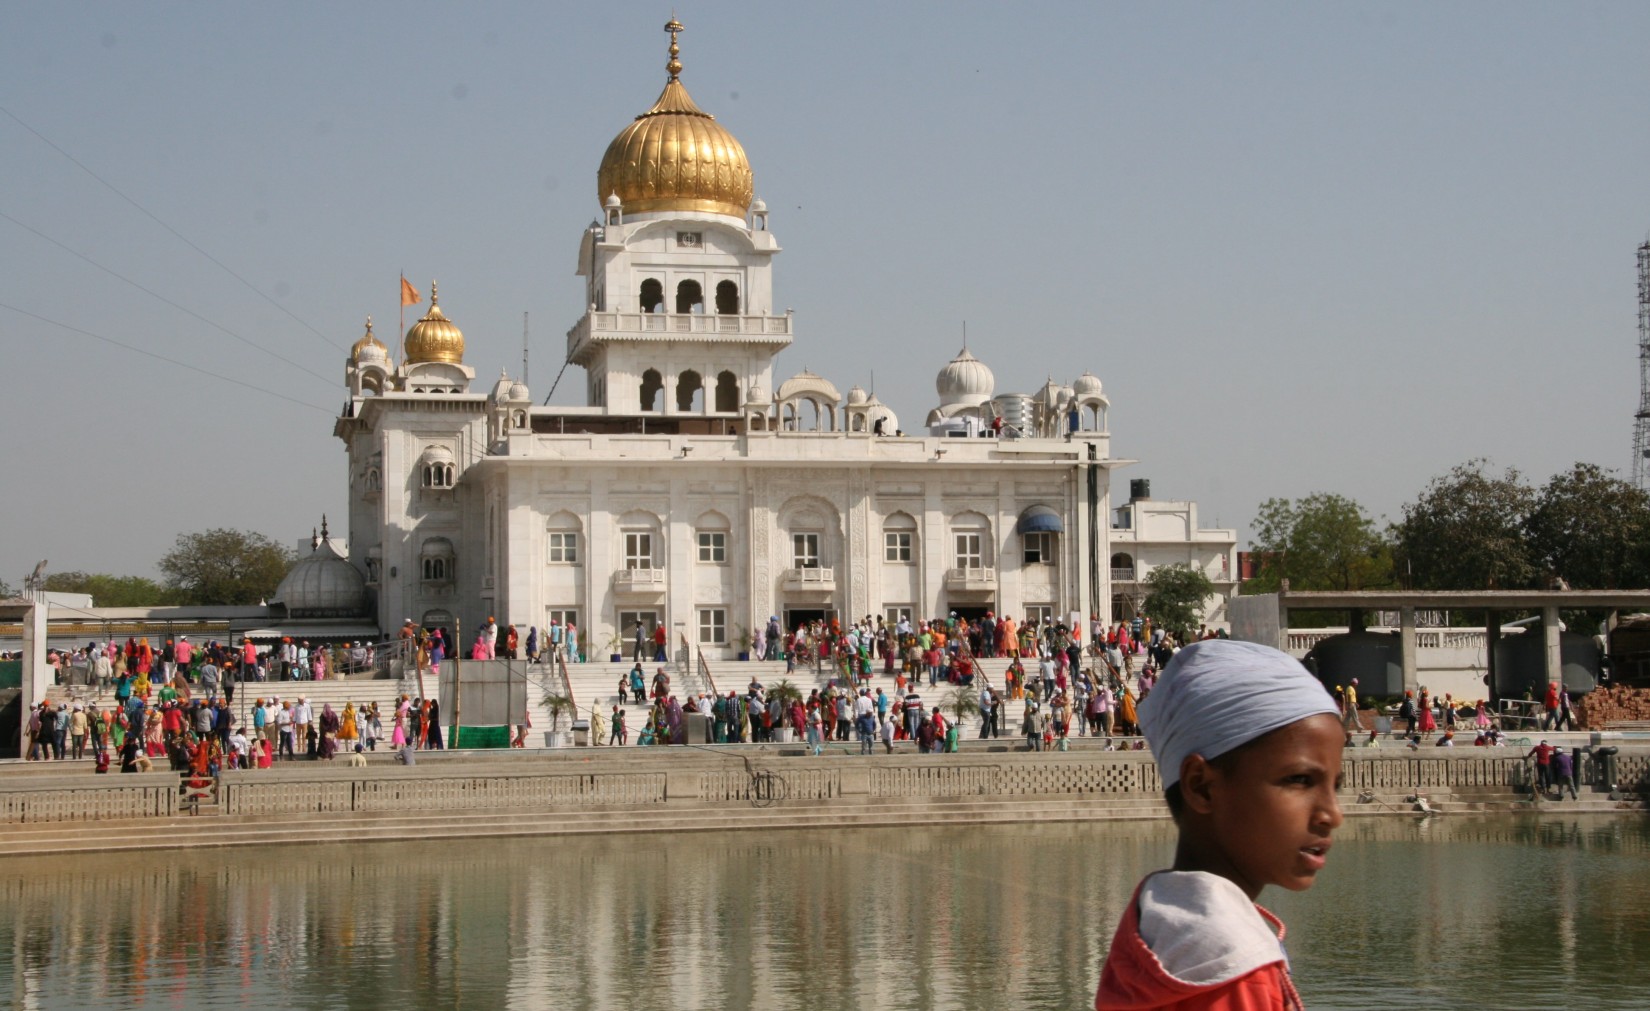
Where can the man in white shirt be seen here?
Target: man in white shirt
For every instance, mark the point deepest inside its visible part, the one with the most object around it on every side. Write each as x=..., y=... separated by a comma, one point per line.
x=300, y=722
x=283, y=727
x=240, y=747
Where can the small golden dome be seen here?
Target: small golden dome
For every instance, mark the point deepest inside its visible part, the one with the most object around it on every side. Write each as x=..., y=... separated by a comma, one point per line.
x=369, y=340
x=676, y=157
x=434, y=338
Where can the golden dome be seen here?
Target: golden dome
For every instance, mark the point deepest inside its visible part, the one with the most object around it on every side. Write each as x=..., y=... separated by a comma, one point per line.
x=434, y=338
x=369, y=340
x=675, y=156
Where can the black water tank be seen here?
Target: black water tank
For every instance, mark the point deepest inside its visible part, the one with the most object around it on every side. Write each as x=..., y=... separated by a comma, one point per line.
x=1139, y=488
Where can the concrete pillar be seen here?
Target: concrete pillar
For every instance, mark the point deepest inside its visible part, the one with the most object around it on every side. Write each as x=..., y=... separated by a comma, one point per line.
x=1549, y=638
x=37, y=674
x=1406, y=645
x=1492, y=636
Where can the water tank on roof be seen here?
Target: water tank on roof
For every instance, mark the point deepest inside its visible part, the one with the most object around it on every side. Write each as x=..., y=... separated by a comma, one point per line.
x=1140, y=488
x=1521, y=663
x=1019, y=418
x=1375, y=659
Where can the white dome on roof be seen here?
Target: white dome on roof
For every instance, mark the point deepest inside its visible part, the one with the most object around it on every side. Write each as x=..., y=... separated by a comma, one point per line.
x=518, y=391
x=857, y=396
x=501, y=389
x=965, y=380
x=323, y=585
x=1087, y=384
x=808, y=382
x=756, y=395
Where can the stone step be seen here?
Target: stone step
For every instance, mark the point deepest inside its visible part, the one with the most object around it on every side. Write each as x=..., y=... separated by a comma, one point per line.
x=223, y=832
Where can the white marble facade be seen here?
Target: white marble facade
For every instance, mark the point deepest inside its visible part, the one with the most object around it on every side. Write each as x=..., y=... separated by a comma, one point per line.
x=691, y=488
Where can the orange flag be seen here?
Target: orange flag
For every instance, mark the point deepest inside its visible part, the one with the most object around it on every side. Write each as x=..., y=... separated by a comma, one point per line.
x=409, y=294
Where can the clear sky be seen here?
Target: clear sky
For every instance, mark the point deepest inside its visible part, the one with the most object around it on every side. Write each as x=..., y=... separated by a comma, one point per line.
x=1306, y=246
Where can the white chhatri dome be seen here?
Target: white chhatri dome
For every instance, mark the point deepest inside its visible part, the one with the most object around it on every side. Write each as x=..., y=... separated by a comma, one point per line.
x=966, y=380
x=1086, y=385
x=857, y=396
x=323, y=585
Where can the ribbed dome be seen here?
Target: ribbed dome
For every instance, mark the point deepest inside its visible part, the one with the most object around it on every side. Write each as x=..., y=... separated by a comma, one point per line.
x=1086, y=385
x=323, y=585
x=857, y=396
x=518, y=391
x=434, y=338
x=965, y=380
x=676, y=157
x=369, y=347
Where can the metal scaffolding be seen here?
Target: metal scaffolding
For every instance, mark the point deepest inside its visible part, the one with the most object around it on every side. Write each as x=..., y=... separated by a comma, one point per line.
x=1641, y=422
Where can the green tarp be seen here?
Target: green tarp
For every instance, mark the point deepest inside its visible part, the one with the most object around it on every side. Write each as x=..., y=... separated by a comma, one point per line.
x=482, y=737
x=11, y=673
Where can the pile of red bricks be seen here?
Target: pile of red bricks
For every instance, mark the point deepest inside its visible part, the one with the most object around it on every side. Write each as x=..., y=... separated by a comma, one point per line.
x=1604, y=706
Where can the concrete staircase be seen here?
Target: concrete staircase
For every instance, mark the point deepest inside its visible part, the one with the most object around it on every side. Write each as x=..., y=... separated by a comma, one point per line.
x=597, y=684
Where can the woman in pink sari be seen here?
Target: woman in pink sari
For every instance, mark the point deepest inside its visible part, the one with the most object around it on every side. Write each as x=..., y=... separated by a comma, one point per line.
x=154, y=741
x=399, y=737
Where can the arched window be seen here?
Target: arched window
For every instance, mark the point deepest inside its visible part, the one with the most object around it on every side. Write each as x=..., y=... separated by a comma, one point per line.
x=651, y=385
x=690, y=297
x=653, y=295
x=712, y=532
x=436, y=468
x=1122, y=566
x=971, y=536
x=690, y=392
x=375, y=482
x=727, y=298
x=727, y=393
x=899, y=539
x=436, y=560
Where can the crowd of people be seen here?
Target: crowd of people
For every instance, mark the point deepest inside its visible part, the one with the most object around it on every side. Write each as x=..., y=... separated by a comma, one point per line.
x=176, y=705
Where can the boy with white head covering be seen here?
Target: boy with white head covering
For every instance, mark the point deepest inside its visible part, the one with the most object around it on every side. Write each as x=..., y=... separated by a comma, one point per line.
x=1248, y=745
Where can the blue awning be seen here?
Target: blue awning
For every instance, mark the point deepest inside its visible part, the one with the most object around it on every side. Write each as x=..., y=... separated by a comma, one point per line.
x=1040, y=519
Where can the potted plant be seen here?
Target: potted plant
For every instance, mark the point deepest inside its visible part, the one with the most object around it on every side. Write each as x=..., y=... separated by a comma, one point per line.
x=555, y=705
x=745, y=642
x=615, y=646
x=787, y=693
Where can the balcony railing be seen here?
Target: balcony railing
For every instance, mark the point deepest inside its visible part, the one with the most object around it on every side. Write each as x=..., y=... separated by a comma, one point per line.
x=639, y=581
x=621, y=325
x=971, y=579
x=811, y=580
x=1122, y=575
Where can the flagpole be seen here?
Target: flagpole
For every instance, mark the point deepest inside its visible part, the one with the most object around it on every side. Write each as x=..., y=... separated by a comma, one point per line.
x=401, y=333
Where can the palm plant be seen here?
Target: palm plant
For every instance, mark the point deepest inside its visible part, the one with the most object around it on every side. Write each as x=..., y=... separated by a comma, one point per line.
x=556, y=704
x=962, y=702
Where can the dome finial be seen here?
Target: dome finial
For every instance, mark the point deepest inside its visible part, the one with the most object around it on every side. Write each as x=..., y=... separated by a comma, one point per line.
x=674, y=27
x=432, y=295
x=369, y=323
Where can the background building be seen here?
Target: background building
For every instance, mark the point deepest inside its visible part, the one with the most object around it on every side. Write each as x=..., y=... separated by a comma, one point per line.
x=693, y=489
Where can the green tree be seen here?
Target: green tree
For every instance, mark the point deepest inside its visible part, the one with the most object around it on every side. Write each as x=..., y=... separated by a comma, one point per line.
x=113, y=591
x=1466, y=531
x=1320, y=542
x=225, y=567
x=1175, y=598
x=1592, y=530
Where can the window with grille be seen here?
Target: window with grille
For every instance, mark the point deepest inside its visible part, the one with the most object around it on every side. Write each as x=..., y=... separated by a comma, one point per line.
x=564, y=548
x=896, y=547
x=805, y=551
x=713, y=625
x=638, y=551
x=713, y=547
x=1038, y=547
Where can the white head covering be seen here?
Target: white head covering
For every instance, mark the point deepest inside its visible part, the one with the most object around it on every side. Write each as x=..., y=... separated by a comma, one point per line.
x=1219, y=694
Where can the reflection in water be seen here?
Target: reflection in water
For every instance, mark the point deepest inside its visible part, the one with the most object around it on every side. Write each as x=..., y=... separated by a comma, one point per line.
x=1541, y=913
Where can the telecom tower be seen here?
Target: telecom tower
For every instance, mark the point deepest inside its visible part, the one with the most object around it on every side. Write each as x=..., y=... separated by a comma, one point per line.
x=1641, y=424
